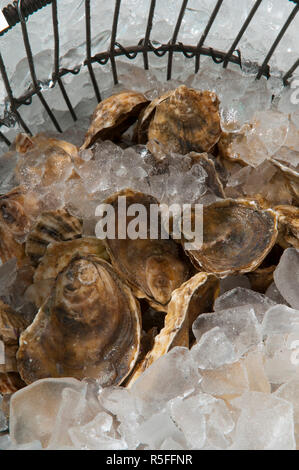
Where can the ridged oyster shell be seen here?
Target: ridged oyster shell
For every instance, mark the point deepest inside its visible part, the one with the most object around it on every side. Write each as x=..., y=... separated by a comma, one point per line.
x=113, y=116
x=182, y=120
x=237, y=236
x=88, y=327
x=153, y=268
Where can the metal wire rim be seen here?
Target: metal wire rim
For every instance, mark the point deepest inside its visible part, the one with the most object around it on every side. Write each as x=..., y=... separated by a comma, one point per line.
x=20, y=10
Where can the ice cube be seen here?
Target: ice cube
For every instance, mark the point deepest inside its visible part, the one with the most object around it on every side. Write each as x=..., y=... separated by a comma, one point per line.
x=280, y=319
x=95, y=435
x=241, y=296
x=273, y=293
x=286, y=276
x=33, y=409
x=157, y=428
x=174, y=374
x=226, y=381
x=239, y=325
x=213, y=350
x=265, y=423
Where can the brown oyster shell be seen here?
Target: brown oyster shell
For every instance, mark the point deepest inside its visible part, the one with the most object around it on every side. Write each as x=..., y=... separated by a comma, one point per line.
x=288, y=226
x=182, y=120
x=192, y=298
x=88, y=327
x=44, y=158
x=237, y=236
x=113, y=116
x=49, y=227
x=10, y=382
x=11, y=324
x=212, y=181
x=261, y=278
x=153, y=268
x=56, y=258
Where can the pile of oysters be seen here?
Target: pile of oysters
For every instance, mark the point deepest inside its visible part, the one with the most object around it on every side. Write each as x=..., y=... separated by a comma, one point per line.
x=107, y=309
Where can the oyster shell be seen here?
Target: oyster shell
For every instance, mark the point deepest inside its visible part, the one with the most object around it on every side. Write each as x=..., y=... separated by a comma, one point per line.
x=261, y=278
x=237, y=236
x=113, y=116
x=288, y=226
x=11, y=324
x=182, y=120
x=88, y=327
x=10, y=382
x=51, y=226
x=44, y=160
x=153, y=268
x=56, y=258
x=192, y=298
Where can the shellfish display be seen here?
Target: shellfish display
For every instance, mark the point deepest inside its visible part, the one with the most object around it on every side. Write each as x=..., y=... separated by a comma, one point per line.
x=108, y=297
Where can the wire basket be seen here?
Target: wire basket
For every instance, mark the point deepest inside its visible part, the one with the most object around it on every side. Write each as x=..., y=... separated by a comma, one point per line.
x=20, y=11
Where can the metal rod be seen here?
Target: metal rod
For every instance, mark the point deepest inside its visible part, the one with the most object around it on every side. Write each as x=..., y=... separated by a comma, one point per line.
x=290, y=72
x=174, y=37
x=113, y=39
x=88, y=51
x=241, y=32
x=148, y=32
x=11, y=98
x=5, y=139
x=206, y=32
x=33, y=74
x=277, y=41
x=56, y=61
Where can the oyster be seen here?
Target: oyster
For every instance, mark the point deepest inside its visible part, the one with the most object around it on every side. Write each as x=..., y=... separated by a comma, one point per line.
x=56, y=258
x=261, y=278
x=288, y=226
x=51, y=226
x=194, y=297
x=113, y=116
x=237, y=236
x=11, y=324
x=10, y=382
x=88, y=327
x=182, y=120
x=153, y=267
x=44, y=160
x=212, y=181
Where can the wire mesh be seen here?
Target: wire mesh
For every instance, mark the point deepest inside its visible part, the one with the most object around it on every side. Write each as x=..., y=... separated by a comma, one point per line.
x=19, y=12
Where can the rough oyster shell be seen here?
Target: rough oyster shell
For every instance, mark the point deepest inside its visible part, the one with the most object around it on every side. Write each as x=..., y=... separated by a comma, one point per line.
x=10, y=382
x=288, y=226
x=182, y=120
x=113, y=116
x=55, y=259
x=11, y=324
x=44, y=160
x=153, y=268
x=88, y=327
x=51, y=226
x=237, y=236
x=194, y=297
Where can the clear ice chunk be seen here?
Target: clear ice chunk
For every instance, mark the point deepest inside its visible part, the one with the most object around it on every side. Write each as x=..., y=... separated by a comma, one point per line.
x=213, y=350
x=265, y=423
x=286, y=276
x=241, y=296
x=174, y=374
x=239, y=325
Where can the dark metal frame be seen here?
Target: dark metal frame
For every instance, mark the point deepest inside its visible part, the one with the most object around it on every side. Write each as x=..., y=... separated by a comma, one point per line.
x=18, y=12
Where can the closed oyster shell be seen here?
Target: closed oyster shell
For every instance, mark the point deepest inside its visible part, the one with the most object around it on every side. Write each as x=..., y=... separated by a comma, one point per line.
x=49, y=227
x=56, y=258
x=88, y=327
x=182, y=120
x=288, y=226
x=237, y=236
x=153, y=268
x=44, y=160
x=192, y=298
x=10, y=382
x=11, y=324
x=113, y=116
